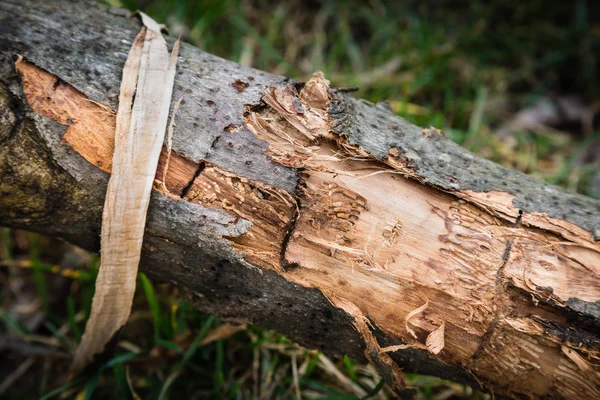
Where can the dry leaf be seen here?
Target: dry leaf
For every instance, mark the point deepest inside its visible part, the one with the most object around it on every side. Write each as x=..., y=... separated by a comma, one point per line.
x=149, y=73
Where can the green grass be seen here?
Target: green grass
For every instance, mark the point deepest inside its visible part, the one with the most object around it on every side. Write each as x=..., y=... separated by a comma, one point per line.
x=466, y=69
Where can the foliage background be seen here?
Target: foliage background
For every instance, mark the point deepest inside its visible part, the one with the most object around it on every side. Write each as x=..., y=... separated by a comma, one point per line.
x=516, y=82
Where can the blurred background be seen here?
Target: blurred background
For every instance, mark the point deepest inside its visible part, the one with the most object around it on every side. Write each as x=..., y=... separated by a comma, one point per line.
x=516, y=82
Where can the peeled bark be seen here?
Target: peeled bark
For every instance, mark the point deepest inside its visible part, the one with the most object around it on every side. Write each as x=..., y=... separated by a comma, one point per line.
x=304, y=210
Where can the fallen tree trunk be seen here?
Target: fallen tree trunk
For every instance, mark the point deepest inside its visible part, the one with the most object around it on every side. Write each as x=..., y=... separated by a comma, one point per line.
x=304, y=210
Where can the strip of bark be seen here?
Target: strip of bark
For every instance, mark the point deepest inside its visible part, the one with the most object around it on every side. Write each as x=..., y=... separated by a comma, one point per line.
x=140, y=129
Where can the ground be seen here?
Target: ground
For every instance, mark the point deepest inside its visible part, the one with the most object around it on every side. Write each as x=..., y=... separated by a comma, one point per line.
x=518, y=85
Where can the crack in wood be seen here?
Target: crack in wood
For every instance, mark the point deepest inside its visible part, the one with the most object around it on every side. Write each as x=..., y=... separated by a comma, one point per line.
x=186, y=189
x=17, y=109
x=285, y=265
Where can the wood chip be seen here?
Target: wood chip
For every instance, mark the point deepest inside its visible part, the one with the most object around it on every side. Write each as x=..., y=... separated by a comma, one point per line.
x=149, y=73
x=435, y=340
x=391, y=349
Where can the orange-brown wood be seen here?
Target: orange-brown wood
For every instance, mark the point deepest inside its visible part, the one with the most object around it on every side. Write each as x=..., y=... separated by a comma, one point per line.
x=90, y=125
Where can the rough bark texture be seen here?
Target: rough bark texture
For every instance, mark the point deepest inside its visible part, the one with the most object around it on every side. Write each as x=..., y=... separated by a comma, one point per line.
x=304, y=210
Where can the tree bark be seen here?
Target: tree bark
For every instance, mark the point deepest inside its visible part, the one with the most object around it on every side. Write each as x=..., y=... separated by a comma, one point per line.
x=299, y=208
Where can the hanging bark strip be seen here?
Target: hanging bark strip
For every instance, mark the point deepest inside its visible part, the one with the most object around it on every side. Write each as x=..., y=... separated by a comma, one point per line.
x=148, y=73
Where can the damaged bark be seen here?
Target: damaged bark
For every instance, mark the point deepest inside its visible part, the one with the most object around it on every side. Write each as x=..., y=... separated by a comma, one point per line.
x=299, y=208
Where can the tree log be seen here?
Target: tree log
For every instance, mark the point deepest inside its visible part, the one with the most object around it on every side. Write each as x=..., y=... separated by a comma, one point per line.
x=299, y=208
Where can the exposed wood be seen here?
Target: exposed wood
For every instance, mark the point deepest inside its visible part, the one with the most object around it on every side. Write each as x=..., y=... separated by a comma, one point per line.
x=301, y=209
x=91, y=125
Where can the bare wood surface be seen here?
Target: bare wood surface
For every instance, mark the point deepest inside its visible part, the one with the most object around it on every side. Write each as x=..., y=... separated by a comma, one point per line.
x=301, y=209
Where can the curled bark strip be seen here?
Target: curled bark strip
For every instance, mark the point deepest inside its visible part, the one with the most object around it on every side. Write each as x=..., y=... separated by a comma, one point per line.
x=140, y=125
x=411, y=314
